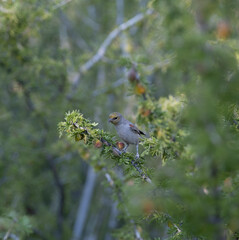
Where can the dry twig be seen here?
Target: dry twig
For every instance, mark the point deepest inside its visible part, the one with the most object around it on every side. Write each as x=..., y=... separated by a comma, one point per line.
x=102, y=49
x=62, y=3
x=4, y=10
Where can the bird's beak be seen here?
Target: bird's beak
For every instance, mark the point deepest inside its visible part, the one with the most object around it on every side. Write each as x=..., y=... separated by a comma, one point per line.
x=110, y=120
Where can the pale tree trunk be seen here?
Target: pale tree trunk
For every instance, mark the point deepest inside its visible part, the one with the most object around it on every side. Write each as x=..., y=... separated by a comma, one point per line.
x=84, y=204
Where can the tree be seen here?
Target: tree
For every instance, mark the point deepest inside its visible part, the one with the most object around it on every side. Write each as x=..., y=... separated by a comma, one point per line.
x=193, y=136
x=182, y=60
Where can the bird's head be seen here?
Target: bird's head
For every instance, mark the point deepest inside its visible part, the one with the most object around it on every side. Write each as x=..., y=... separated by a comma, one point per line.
x=115, y=118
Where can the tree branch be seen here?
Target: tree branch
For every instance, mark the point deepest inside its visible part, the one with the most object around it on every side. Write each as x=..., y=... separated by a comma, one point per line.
x=62, y=3
x=4, y=10
x=84, y=204
x=144, y=176
x=117, y=152
x=101, y=51
x=7, y=235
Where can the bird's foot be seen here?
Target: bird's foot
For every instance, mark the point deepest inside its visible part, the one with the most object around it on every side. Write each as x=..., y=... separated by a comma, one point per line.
x=124, y=149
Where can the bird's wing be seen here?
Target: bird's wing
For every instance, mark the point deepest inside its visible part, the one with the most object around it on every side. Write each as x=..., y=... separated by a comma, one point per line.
x=135, y=129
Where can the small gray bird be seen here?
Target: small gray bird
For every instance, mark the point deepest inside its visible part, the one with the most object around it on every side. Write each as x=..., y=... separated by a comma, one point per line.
x=126, y=130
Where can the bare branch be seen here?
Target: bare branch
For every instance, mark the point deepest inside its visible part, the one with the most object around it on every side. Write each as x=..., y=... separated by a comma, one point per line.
x=101, y=51
x=137, y=233
x=144, y=176
x=11, y=235
x=14, y=237
x=90, y=22
x=4, y=10
x=7, y=235
x=84, y=204
x=62, y=3
x=178, y=229
x=119, y=82
x=109, y=179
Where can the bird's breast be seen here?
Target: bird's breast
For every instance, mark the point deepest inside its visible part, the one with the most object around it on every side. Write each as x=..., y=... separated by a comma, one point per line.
x=126, y=134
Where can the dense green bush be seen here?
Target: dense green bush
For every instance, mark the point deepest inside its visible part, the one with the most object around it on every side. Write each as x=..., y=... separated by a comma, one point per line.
x=182, y=89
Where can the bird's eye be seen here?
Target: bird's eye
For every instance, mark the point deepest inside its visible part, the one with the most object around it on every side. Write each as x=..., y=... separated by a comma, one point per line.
x=115, y=118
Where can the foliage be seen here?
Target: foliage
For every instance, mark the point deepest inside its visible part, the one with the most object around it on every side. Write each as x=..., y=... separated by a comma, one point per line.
x=79, y=128
x=181, y=86
x=13, y=223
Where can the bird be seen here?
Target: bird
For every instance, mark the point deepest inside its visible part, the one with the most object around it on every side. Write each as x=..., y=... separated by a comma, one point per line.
x=126, y=130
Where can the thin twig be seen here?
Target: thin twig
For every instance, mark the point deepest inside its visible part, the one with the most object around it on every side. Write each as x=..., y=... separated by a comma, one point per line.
x=11, y=235
x=7, y=235
x=4, y=10
x=133, y=163
x=143, y=175
x=109, y=179
x=137, y=233
x=178, y=229
x=102, y=49
x=84, y=204
x=90, y=22
x=64, y=2
x=116, y=84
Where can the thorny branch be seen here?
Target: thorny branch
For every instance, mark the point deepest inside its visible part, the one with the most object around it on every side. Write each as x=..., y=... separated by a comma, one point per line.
x=133, y=162
x=145, y=177
x=102, y=49
x=117, y=152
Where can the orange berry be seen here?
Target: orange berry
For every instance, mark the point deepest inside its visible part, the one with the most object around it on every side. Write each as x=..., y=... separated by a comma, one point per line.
x=98, y=143
x=145, y=112
x=148, y=206
x=130, y=183
x=228, y=182
x=85, y=155
x=139, y=89
x=223, y=30
x=120, y=145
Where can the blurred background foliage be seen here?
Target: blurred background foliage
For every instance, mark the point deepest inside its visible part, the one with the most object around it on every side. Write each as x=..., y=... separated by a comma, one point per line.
x=174, y=72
